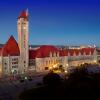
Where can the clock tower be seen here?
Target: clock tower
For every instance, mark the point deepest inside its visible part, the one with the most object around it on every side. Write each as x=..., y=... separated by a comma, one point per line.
x=22, y=27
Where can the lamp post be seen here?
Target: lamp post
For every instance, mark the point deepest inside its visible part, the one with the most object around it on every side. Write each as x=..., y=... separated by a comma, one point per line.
x=14, y=72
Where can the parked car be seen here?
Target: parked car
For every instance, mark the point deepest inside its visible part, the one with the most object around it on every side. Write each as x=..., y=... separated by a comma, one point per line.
x=29, y=78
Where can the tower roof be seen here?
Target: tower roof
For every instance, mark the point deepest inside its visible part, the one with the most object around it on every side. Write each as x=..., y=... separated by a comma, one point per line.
x=10, y=48
x=23, y=14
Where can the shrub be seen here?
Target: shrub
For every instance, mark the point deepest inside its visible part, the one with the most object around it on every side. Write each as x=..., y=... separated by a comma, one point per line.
x=52, y=79
x=79, y=73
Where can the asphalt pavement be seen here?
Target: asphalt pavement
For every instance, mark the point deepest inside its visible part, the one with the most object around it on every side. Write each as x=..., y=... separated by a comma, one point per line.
x=9, y=90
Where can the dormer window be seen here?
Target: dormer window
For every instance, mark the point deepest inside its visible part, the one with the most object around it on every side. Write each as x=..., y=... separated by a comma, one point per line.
x=79, y=54
x=57, y=54
x=90, y=52
x=84, y=53
x=54, y=54
x=74, y=54
x=68, y=54
x=50, y=54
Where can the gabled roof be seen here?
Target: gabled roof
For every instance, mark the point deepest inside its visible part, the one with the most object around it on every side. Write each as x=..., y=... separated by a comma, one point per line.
x=71, y=52
x=43, y=51
x=23, y=14
x=88, y=50
x=63, y=52
x=10, y=48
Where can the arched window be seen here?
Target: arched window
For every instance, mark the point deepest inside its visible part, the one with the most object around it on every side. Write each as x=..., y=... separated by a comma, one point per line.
x=54, y=54
x=57, y=54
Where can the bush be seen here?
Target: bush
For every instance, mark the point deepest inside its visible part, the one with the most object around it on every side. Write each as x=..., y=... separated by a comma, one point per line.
x=79, y=73
x=22, y=80
x=30, y=78
x=39, y=84
x=52, y=79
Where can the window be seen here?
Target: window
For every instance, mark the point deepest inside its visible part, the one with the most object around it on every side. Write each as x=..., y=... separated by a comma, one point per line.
x=14, y=66
x=24, y=70
x=31, y=62
x=5, y=68
x=14, y=62
x=15, y=59
x=46, y=68
x=46, y=62
x=15, y=72
x=49, y=62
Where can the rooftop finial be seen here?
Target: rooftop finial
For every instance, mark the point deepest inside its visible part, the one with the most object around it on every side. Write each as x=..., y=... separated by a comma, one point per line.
x=27, y=12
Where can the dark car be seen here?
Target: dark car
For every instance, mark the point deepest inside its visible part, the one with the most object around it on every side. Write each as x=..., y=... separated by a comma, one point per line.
x=29, y=78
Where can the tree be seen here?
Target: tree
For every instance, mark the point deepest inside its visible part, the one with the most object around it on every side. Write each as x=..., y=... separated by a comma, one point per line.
x=52, y=79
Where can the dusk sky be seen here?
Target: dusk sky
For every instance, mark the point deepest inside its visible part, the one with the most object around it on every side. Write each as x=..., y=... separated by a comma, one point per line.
x=57, y=22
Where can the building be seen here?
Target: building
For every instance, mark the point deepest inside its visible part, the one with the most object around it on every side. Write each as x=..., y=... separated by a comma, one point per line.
x=47, y=57
x=9, y=57
x=98, y=55
x=18, y=58
x=22, y=27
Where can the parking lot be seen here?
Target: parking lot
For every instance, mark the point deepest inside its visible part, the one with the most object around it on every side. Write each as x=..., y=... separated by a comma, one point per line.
x=10, y=89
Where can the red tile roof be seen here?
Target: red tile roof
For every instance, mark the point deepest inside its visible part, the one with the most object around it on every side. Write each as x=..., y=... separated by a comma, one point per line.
x=32, y=54
x=0, y=51
x=23, y=15
x=87, y=51
x=82, y=51
x=10, y=48
x=44, y=51
x=63, y=52
x=71, y=52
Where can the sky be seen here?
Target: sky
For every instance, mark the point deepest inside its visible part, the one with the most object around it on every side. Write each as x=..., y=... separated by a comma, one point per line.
x=56, y=22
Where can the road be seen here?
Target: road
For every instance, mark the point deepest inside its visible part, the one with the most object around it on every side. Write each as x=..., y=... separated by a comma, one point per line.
x=9, y=90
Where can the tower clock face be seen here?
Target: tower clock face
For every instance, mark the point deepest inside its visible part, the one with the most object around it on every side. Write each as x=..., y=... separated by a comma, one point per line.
x=24, y=27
